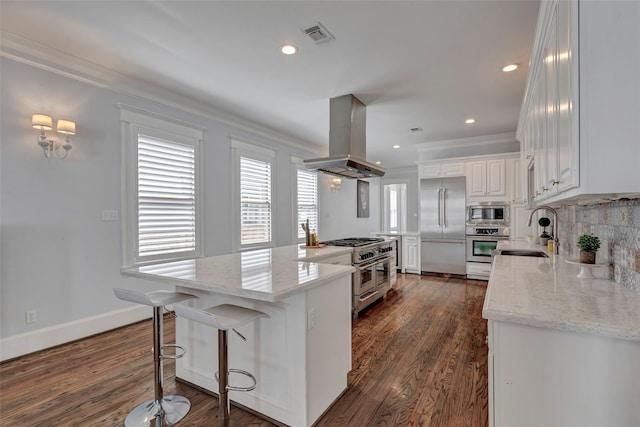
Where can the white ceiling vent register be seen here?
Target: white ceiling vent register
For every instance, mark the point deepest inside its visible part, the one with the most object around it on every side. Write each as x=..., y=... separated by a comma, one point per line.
x=319, y=34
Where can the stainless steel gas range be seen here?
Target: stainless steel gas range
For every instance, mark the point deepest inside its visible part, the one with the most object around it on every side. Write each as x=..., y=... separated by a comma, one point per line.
x=372, y=259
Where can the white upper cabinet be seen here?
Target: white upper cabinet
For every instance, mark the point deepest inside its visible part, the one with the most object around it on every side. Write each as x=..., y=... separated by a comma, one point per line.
x=515, y=181
x=578, y=126
x=486, y=179
x=441, y=170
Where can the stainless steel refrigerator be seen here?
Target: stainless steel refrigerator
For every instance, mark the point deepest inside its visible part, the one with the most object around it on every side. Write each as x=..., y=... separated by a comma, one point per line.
x=442, y=225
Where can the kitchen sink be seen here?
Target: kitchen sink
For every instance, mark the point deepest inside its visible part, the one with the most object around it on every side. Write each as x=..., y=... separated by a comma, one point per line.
x=522, y=252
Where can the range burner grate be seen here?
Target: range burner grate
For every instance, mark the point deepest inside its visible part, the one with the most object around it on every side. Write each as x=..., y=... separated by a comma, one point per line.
x=353, y=241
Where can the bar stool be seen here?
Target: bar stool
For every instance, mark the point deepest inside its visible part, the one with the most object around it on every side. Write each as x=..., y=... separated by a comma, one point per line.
x=223, y=317
x=164, y=410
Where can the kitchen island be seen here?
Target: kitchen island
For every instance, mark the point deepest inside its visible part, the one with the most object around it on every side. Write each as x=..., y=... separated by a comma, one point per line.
x=563, y=351
x=300, y=355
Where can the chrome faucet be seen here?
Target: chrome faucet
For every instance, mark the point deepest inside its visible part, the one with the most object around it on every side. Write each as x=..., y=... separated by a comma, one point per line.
x=556, y=242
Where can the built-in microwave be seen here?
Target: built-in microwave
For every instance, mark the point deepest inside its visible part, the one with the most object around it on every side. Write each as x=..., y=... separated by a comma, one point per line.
x=494, y=213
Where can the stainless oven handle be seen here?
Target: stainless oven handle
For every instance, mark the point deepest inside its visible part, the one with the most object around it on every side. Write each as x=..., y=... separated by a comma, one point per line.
x=373, y=262
x=487, y=238
x=369, y=295
x=366, y=265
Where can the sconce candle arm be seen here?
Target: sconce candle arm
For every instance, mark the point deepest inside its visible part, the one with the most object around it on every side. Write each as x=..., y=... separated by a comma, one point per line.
x=49, y=146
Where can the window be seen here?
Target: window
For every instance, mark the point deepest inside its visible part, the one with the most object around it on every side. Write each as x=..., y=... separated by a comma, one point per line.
x=255, y=201
x=307, y=200
x=254, y=194
x=166, y=197
x=394, y=207
x=161, y=194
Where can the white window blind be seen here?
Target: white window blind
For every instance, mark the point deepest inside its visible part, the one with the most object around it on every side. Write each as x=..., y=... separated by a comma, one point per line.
x=307, y=196
x=166, y=198
x=255, y=201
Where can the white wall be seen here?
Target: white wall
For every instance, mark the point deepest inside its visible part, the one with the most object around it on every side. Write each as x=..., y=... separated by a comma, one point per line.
x=57, y=257
x=337, y=216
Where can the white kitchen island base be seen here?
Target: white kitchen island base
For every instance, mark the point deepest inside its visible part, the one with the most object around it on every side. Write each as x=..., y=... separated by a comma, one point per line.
x=300, y=355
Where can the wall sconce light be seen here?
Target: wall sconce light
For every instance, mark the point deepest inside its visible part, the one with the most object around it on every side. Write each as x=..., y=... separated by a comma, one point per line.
x=49, y=145
x=335, y=184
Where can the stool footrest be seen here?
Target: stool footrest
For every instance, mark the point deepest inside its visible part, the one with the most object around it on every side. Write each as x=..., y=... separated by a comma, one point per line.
x=177, y=355
x=239, y=371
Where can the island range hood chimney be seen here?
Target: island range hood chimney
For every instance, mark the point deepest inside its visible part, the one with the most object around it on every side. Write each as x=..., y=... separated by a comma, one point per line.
x=347, y=144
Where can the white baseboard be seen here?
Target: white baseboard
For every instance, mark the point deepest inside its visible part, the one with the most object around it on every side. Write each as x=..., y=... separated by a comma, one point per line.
x=19, y=345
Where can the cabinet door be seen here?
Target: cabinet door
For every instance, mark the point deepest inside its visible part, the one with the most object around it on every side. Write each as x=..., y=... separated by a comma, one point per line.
x=410, y=256
x=550, y=69
x=452, y=169
x=495, y=181
x=476, y=178
x=514, y=181
x=567, y=74
x=540, y=132
x=430, y=171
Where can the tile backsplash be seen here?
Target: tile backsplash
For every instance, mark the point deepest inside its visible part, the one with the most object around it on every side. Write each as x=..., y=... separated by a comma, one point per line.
x=617, y=224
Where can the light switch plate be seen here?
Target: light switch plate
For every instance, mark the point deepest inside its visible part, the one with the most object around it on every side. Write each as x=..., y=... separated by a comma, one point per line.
x=109, y=215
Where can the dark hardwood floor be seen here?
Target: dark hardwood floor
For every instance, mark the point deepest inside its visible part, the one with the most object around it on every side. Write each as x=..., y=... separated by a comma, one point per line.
x=419, y=359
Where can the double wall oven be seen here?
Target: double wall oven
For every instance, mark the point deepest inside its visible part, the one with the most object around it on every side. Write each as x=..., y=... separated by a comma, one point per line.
x=372, y=259
x=487, y=224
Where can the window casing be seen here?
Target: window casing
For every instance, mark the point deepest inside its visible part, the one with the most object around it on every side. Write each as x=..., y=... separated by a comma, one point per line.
x=161, y=188
x=306, y=199
x=253, y=195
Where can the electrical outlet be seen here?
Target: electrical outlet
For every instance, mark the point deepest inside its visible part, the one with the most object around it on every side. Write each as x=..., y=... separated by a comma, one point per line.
x=31, y=316
x=311, y=319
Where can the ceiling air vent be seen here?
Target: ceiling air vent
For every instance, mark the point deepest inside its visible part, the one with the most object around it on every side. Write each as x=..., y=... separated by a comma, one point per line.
x=319, y=34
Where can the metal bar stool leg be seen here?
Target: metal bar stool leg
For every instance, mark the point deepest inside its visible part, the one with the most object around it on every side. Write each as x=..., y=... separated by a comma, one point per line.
x=162, y=410
x=230, y=317
x=223, y=392
x=158, y=338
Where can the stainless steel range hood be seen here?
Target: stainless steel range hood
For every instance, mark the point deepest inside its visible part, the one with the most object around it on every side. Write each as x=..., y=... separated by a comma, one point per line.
x=347, y=144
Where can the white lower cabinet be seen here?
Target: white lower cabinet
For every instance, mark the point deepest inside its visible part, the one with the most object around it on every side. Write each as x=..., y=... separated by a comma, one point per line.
x=411, y=254
x=546, y=377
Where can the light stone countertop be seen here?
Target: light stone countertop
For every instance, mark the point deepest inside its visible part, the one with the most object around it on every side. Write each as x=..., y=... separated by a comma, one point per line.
x=263, y=274
x=545, y=292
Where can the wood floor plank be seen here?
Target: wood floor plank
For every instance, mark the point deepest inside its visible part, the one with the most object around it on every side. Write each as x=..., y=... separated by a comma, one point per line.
x=419, y=359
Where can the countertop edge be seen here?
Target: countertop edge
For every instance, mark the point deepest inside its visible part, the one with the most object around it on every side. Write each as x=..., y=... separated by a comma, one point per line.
x=567, y=326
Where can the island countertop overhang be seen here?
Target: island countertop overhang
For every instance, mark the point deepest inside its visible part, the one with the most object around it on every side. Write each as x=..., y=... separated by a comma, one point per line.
x=269, y=275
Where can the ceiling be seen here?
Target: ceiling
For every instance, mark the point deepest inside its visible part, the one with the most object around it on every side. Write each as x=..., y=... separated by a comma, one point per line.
x=415, y=64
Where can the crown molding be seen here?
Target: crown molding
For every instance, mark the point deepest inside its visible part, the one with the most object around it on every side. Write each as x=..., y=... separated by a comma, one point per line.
x=486, y=140
x=61, y=63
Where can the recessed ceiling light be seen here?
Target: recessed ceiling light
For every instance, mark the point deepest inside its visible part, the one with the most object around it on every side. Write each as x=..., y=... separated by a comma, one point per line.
x=510, y=67
x=470, y=121
x=288, y=49
x=396, y=146
x=378, y=162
